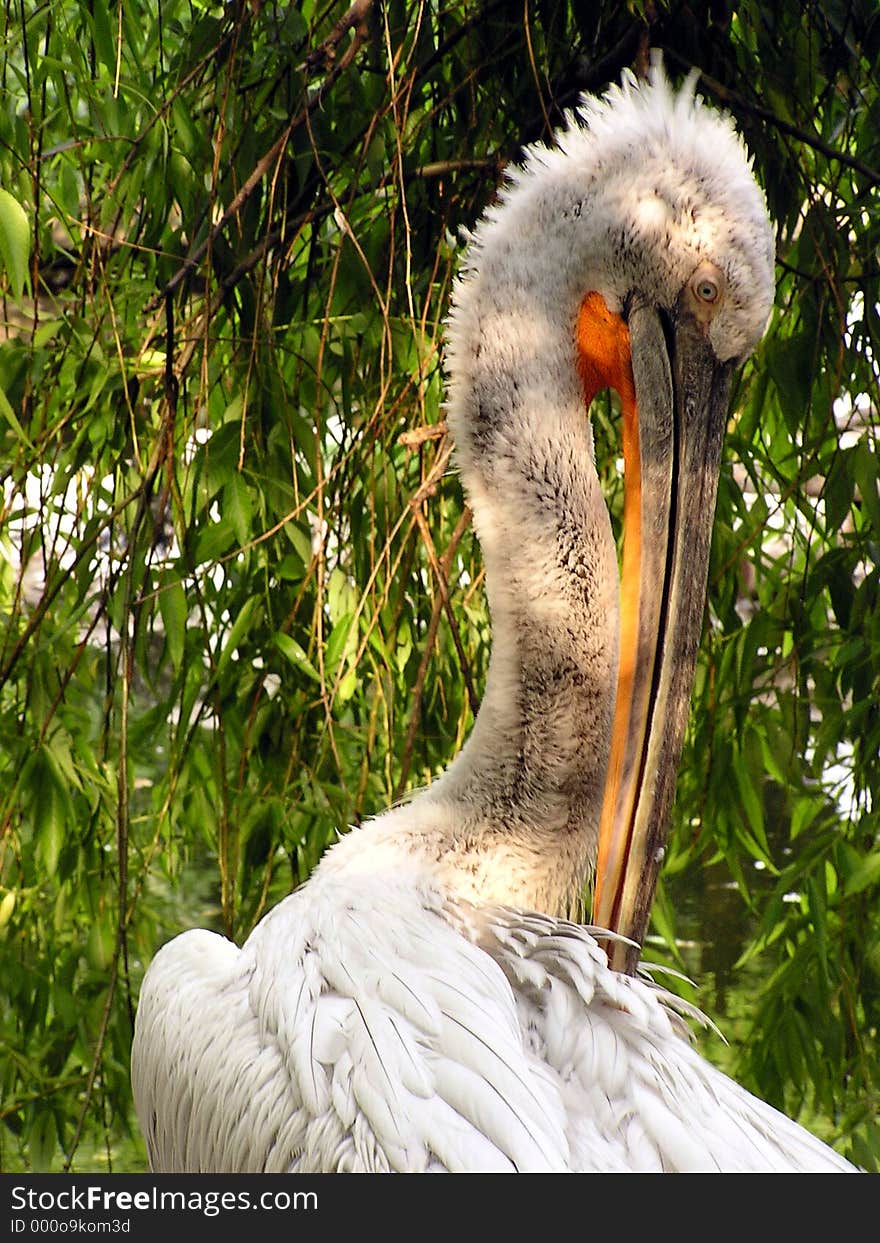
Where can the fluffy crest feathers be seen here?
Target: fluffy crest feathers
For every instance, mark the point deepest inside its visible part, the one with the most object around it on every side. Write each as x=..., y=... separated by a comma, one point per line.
x=643, y=184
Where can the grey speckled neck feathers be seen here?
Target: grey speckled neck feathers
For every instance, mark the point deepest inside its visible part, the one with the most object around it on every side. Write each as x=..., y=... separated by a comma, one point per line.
x=534, y=767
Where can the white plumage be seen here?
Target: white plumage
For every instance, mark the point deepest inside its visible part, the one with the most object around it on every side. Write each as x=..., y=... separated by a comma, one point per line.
x=376, y=1024
x=405, y=1010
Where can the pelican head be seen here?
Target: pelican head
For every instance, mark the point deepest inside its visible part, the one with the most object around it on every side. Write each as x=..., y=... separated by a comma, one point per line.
x=636, y=255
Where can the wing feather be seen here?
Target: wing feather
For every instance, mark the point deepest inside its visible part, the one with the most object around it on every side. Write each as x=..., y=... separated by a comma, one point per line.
x=373, y=1023
x=637, y=1095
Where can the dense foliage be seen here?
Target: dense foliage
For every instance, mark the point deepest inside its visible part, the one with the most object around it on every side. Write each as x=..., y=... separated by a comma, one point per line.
x=240, y=601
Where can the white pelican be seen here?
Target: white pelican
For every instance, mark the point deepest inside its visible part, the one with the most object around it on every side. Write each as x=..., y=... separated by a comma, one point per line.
x=422, y=1003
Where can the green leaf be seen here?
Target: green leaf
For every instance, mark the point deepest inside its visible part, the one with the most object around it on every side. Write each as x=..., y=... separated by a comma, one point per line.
x=174, y=611
x=348, y=685
x=296, y=655
x=51, y=807
x=212, y=542
x=866, y=469
x=237, y=507
x=341, y=596
x=837, y=493
x=290, y=568
x=240, y=627
x=752, y=805
x=101, y=943
x=301, y=540
x=105, y=43
x=15, y=243
x=817, y=905
x=11, y=418
x=341, y=645
x=863, y=875
x=42, y=1140
x=7, y=906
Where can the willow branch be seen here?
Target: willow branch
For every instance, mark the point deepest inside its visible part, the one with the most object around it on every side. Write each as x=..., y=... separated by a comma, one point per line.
x=356, y=16
x=735, y=100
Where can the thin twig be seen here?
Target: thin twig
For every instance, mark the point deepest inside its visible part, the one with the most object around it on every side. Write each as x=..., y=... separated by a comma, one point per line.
x=417, y=436
x=427, y=653
x=443, y=588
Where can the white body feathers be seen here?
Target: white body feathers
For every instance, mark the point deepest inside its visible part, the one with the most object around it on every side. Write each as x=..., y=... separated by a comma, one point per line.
x=373, y=1022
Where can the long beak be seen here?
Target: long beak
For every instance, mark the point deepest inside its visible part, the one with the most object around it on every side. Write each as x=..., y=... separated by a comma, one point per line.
x=672, y=447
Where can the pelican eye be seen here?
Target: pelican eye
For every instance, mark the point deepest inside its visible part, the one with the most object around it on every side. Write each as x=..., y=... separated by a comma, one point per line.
x=703, y=295
x=707, y=290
